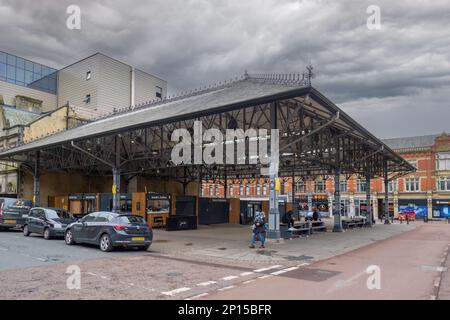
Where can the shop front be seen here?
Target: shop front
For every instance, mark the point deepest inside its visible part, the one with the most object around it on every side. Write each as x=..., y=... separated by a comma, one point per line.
x=248, y=210
x=414, y=208
x=153, y=207
x=441, y=208
x=106, y=202
x=81, y=204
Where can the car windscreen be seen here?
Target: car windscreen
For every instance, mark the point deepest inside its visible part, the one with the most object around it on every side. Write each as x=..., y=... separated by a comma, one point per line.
x=18, y=205
x=57, y=214
x=129, y=219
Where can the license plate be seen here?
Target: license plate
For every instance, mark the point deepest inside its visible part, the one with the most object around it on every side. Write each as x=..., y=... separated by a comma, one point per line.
x=10, y=221
x=137, y=239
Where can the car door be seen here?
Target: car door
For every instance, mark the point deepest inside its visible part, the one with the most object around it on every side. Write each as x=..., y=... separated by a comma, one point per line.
x=95, y=228
x=31, y=220
x=40, y=221
x=86, y=224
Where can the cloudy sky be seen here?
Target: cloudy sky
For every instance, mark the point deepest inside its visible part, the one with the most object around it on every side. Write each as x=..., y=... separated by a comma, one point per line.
x=395, y=80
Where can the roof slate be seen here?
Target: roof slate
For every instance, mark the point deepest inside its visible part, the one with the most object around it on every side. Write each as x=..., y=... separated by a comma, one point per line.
x=17, y=117
x=411, y=142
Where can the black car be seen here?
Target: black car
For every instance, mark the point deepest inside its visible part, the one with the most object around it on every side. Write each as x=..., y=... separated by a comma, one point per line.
x=109, y=230
x=49, y=222
x=13, y=212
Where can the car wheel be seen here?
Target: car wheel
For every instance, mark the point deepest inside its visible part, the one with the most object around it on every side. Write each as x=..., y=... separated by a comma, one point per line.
x=144, y=248
x=105, y=243
x=47, y=235
x=26, y=232
x=68, y=237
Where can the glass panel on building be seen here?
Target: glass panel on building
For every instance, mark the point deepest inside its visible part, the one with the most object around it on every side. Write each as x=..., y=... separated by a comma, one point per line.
x=26, y=73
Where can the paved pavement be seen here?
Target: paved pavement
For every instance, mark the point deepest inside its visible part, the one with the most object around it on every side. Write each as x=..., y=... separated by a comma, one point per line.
x=228, y=244
x=409, y=264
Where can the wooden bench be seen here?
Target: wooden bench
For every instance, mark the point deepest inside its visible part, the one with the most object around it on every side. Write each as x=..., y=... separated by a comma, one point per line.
x=353, y=222
x=318, y=226
x=298, y=230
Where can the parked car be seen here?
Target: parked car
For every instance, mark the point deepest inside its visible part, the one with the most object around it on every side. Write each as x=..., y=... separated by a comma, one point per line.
x=49, y=222
x=109, y=230
x=13, y=212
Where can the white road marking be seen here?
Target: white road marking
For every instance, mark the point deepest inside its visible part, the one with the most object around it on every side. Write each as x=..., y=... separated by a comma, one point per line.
x=41, y=259
x=229, y=278
x=174, y=292
x=248, y=281
x=303, y=264
x=284, y=271
x=207, y=283
x=3, y=249
x=197, y=296
x=91, y=274
x=226, y=288
x=268, y=268
x=276, y=273
x=265, y=277
x=244, y=274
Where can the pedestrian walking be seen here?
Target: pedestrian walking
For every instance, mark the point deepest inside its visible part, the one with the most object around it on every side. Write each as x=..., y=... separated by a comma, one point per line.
x=259, y=229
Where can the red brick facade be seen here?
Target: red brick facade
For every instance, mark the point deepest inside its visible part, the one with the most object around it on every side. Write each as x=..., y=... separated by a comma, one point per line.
x=425, y=158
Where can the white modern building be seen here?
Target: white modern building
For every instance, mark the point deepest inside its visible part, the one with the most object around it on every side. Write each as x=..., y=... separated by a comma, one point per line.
x=92, y=86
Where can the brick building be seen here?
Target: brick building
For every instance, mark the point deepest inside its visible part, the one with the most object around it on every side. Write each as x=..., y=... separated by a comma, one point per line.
x=426, y=191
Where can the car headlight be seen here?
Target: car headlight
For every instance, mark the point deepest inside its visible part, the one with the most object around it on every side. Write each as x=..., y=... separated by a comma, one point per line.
x=57, y=226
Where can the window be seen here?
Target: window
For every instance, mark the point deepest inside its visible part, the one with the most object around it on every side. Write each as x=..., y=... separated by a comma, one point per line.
x=412, y=184
x=444, y=183
x=247, y=189
x=361, y=185
x=216, y=190
x=258, y=189
x=26, y=73
x=231, y=190
x=159, y=92
x=343, y=185
x=210, y=190
x=300, y=186
x=264, y=189
x=241, y=189
x=88, y=75
x=358, y=204
x=87, y=100
x=319, y=186
x=443, y=161
x=392, y=186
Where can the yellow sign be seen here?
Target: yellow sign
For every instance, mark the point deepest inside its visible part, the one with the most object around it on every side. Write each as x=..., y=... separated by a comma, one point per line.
x=114, y=189
x=277, y=184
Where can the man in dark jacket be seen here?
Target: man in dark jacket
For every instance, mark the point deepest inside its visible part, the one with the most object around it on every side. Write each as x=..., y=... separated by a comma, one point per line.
x=259, y=229
x=316, y=215
x=289, y=218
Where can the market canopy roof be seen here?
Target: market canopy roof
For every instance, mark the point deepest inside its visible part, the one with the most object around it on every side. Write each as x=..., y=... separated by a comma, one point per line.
x=311, y=127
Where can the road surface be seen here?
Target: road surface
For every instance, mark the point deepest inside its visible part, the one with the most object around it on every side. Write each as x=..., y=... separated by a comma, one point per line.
x=410, y=265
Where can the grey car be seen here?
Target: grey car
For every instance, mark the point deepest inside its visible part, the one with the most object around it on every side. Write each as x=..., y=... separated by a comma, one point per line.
x=109, y=230
x=49, y=222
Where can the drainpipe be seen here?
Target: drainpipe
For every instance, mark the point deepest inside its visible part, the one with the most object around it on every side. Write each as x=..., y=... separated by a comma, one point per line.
x=133, y=86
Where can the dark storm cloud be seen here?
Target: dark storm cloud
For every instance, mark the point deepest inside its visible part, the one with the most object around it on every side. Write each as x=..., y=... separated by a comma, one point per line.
x=400, y=73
